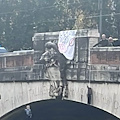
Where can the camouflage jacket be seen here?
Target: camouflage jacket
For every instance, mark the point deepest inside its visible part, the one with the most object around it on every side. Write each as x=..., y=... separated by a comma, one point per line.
x=50, y=58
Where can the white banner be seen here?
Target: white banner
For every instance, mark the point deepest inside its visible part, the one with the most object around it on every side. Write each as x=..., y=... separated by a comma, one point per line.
x=66, y=43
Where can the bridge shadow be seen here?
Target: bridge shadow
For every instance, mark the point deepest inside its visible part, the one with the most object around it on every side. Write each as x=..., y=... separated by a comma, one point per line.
x=60, y=110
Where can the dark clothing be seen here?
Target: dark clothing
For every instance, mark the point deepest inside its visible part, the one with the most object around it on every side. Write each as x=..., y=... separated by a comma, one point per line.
x=28, y=118
x=116, y=43
x=50, y=58
x=89, y=99
x=102, y=43
x=106, y=43
x=50, y=45
x=89, y=91
x=28, y=113
x=89, y=95
x=63, y=66
x=110, y=44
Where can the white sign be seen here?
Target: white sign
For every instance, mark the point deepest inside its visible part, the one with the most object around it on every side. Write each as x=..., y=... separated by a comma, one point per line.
x=66, y=43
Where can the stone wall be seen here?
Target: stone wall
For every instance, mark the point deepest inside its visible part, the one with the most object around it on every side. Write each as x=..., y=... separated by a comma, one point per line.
x=77, y=69
x=16, y=94
x=105, y=96
x=16, y=59
x=19, y=65
x=105, y=64
x=105, y=55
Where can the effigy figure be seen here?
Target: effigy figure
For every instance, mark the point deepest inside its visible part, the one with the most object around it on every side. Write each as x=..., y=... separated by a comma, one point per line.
x=52, y=69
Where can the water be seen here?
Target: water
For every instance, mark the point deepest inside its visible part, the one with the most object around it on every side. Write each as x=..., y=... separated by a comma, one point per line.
x=60, y=110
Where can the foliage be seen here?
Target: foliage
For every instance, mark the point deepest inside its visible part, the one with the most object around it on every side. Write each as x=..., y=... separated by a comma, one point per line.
x=20, y=19
x=23, y=18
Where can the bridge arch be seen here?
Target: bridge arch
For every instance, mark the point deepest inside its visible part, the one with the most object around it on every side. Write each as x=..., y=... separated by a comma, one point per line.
x=60, y=110
x=16, y=94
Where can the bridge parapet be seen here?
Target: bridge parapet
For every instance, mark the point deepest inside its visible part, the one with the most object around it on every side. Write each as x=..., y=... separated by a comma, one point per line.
x=105, y=64
x=104, y=61
x=19, y=65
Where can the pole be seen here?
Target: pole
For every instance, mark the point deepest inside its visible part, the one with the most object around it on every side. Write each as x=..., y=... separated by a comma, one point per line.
x=89, y=64
x=100, y=21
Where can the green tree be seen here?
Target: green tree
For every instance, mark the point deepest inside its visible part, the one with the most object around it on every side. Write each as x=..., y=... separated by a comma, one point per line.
x=20, y=19
x=23, y=18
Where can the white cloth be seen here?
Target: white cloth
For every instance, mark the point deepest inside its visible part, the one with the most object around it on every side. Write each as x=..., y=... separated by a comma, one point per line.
x=66, y=43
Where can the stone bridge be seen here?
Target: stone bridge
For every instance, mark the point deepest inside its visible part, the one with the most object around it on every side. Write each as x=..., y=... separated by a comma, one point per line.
x=105, y=96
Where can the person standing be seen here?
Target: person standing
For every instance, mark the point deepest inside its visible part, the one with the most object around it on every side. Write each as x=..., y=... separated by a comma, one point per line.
x=89, y=95
x=28, y=112
x=110, y=42
x=103, y=42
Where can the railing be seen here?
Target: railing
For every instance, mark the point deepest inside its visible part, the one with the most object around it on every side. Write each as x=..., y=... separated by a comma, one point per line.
x=17, y=58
